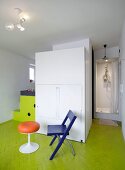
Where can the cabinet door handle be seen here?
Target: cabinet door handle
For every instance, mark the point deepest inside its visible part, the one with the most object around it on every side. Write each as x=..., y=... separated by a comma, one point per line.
x=29, y=114
x=34, y=105
x=57, y=101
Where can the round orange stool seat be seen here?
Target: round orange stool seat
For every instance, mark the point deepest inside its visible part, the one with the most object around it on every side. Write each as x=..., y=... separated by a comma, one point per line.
x=28, y=127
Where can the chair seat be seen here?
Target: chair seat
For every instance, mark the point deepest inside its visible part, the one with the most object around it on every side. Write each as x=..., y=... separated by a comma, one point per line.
x=56, y=129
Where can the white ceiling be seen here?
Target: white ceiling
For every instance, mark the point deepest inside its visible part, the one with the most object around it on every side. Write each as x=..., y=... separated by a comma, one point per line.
x=58, y=21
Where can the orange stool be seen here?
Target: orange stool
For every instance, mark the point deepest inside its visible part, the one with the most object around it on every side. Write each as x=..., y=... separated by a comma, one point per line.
x=28, y=127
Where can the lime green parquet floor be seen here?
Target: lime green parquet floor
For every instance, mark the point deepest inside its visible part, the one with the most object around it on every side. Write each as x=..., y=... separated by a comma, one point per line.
x=104, y=150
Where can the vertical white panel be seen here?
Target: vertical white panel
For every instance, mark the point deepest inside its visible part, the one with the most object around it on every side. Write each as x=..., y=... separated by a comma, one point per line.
x=122, y=101
x=88, y=88
x=122, y=57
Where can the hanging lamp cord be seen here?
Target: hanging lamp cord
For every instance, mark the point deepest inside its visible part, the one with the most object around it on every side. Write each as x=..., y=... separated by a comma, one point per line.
x=105, y=50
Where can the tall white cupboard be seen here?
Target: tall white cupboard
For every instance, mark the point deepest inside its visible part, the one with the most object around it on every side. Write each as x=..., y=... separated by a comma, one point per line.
x=60, y=87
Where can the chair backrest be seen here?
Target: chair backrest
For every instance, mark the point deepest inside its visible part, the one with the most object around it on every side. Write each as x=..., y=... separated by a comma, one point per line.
x=72, y=118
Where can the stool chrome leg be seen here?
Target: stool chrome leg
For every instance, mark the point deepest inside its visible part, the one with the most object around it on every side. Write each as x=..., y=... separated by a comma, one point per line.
x=29, y=138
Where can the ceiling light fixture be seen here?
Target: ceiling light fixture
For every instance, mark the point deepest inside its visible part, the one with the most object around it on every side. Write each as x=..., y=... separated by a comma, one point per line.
x=21, y=19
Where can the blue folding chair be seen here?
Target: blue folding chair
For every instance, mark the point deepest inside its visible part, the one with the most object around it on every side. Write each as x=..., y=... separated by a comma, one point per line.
x=60, y=132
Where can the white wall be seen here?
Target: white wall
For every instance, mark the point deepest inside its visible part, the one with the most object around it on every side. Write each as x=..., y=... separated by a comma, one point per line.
x=99, y=54
x=88, y=101
x=14, y=74
x=122, y=81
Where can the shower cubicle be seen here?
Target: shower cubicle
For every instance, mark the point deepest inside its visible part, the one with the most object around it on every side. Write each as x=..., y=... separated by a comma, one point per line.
x=107, y=88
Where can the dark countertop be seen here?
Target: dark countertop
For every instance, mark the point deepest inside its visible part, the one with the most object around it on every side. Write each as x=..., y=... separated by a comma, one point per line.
x=27, y=93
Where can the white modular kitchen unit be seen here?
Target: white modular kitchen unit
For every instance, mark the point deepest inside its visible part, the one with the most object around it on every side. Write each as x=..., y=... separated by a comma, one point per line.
x=60, y=87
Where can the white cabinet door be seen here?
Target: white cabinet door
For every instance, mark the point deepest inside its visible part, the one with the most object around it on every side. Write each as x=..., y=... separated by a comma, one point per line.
x=47, y=106
x=60, y=67
x=53, y=103
x=71, y=98
x=46, y=101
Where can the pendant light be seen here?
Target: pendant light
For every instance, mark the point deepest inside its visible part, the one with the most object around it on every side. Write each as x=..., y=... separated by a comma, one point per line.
x=105, y=58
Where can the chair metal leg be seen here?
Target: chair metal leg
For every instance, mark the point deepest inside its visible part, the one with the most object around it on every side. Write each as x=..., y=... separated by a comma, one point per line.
x=53, y=140
x=58, y=138
x=72, y=149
